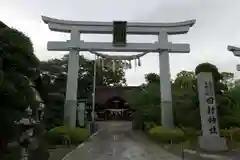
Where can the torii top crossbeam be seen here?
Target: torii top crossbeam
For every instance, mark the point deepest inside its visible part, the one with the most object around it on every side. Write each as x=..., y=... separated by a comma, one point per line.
x=236, y=52
x=106, y=27
x=77, y=27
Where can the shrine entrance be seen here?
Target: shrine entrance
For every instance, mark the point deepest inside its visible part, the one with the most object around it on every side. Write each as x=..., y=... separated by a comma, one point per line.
x=111, y=104
x=119, y=30
x=117, y=108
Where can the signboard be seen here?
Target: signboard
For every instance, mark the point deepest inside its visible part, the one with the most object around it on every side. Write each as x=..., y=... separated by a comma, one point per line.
x=208, y=109
x=119, y=33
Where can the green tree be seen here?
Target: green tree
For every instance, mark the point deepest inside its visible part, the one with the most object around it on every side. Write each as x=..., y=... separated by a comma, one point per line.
x=152, y=78
x=185, y=100
x=217, y=76
x=185, y=80
x=228, y=79
x=18, y=68
x=145, y=100
x=54, y=75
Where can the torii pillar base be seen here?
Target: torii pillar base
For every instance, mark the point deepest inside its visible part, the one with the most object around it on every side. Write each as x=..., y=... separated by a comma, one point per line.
x=70, y=113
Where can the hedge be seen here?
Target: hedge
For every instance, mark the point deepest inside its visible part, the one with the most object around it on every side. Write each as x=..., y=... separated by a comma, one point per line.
x=227, y=133
x=164, y=135
x=234, y=132
x=79, y=135
x=62, y=134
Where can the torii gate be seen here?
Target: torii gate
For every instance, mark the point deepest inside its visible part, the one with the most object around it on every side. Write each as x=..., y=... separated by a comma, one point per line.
x=74, y=45
x=236, y=52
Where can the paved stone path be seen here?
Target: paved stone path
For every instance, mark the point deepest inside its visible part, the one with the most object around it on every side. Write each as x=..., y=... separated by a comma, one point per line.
x=117, y=141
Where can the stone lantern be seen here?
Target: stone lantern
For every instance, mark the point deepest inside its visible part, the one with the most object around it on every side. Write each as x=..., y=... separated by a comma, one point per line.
x=27, y=125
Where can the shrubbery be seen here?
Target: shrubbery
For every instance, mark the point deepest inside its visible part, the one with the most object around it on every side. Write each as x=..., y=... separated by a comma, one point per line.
x=233, y=133
x=191, y=134
x=59, y=135
x=164, y=135
x=79, y=135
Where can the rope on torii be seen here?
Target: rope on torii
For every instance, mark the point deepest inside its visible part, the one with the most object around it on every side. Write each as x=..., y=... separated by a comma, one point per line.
x=114, y=112
x=127, y=59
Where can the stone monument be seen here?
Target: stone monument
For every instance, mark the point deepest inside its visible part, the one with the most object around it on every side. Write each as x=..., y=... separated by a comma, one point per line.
x=210, y=139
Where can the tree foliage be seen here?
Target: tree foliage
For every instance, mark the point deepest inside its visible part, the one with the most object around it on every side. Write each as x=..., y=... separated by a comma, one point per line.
x=18, y=69
x=185, y=97
x=54, y=78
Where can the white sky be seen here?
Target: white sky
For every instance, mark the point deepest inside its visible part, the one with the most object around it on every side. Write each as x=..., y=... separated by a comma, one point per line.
x=217, y=25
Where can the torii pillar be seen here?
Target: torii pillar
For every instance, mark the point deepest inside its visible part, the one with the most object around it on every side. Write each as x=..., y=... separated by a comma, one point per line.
x=163, y=47
x=236, y=52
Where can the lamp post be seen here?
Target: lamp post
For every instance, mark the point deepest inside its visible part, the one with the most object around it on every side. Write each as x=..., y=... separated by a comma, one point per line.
x=94, y=89
x=93, y=95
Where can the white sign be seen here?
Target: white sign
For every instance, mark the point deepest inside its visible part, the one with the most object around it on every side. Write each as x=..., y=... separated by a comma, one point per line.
x=208, y=109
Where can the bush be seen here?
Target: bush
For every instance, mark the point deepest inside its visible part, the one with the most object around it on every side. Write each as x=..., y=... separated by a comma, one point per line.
x=13, y=153
x=191, y=133
x=60, y=134
x=234, y=132
x=79, y=135
x=164, y=135
x=56, y=135
x=224, y=133
x=149, y=125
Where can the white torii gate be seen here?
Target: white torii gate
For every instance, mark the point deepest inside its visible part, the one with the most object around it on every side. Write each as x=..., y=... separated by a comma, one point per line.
x=74, y=45
x=236, y=52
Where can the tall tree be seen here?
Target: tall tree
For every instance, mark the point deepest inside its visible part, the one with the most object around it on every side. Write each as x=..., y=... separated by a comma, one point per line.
x=228, y=79
x=54, y=74
x=185, y=100
x=145, y=100
x=18, y=68
x=152, y=78
x=220, y=88
x=185, y=80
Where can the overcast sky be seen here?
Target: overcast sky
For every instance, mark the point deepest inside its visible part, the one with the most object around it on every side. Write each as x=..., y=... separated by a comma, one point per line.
x=217, y=25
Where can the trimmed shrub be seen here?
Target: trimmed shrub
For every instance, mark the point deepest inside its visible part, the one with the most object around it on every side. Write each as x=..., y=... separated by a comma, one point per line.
x=59, y=135
x=149, y=125
x=79, y=135
x=234, y=132
x=56, y=135
x=164, y=135
x=191, y=133
x=224, y=133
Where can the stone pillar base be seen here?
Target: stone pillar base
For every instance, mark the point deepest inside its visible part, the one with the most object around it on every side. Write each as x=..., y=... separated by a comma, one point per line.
x=213, y=143
x=167, y=114
x=70, y=110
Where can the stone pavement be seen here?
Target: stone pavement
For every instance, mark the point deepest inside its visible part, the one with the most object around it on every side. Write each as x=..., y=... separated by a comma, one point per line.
x=116, y=141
